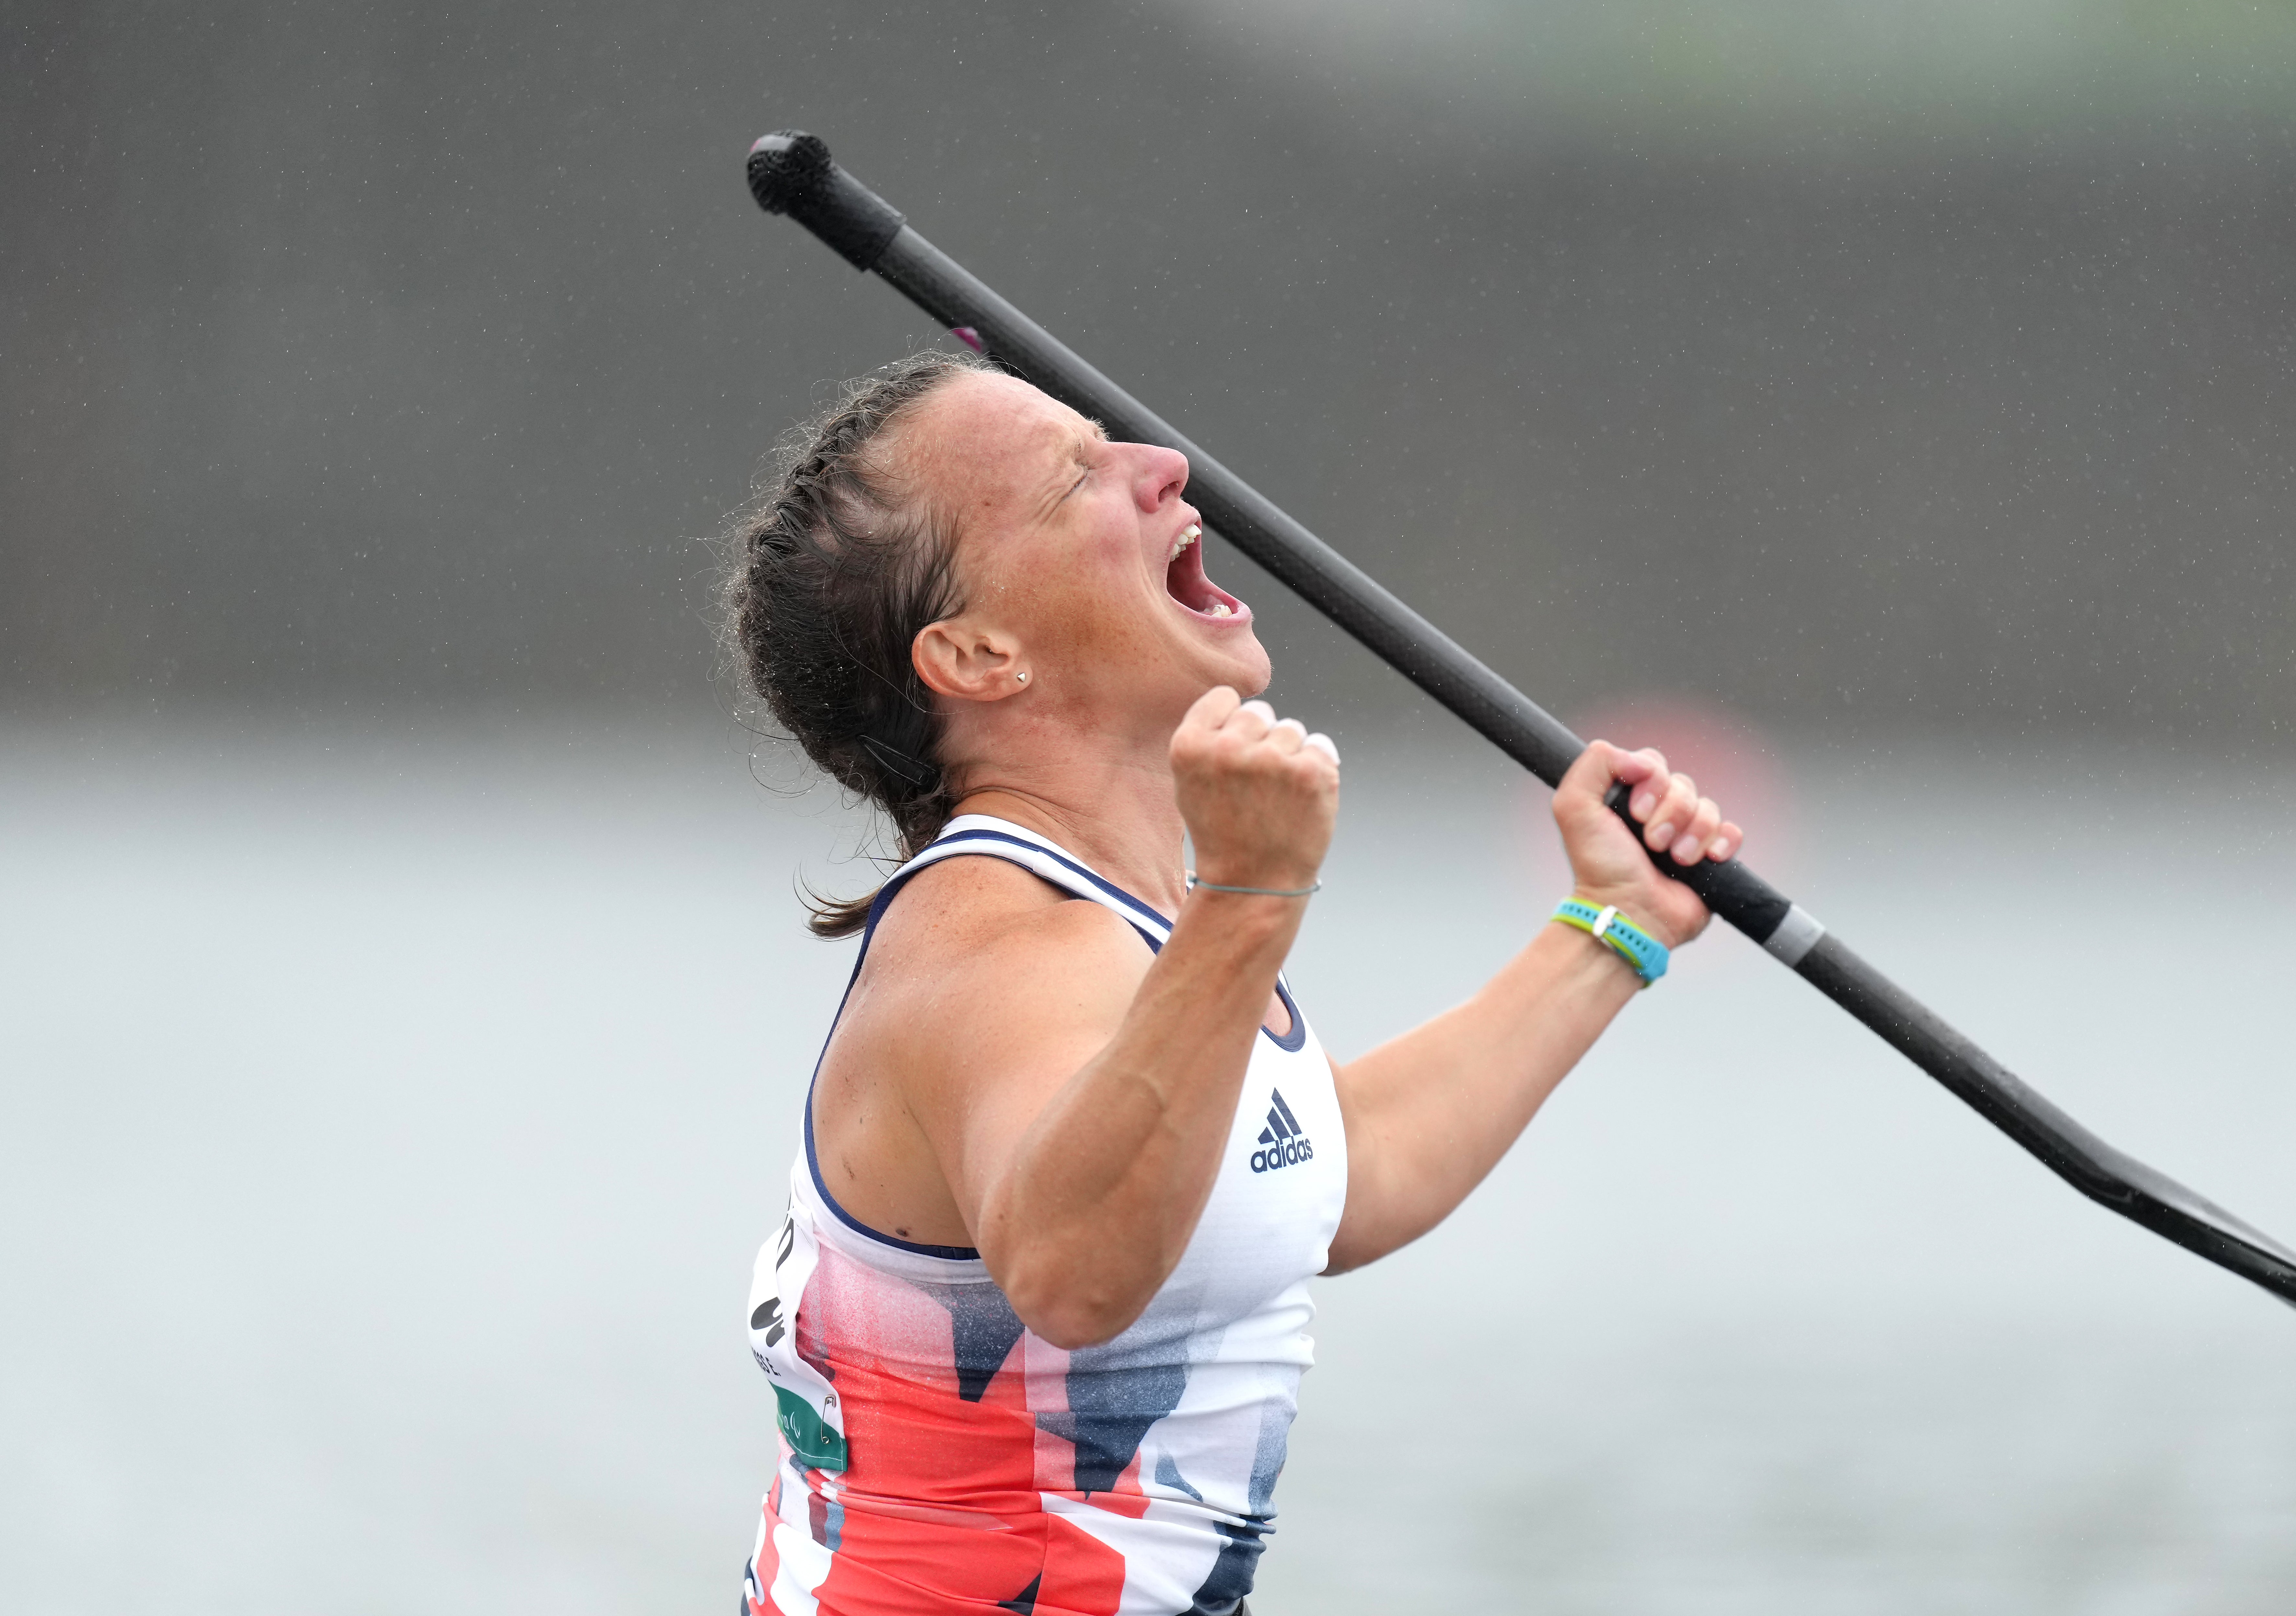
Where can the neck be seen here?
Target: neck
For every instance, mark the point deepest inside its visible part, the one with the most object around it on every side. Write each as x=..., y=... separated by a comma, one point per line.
x=1111, y=806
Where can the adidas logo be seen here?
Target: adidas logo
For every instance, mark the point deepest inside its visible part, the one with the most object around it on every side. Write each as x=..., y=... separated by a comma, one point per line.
x=1286, y=1145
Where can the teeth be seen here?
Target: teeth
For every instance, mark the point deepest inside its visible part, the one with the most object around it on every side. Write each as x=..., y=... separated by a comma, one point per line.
x=1218, y=609
x=1188, y=536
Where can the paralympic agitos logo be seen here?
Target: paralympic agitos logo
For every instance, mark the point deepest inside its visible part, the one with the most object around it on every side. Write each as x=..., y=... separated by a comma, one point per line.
x=1286, y=1143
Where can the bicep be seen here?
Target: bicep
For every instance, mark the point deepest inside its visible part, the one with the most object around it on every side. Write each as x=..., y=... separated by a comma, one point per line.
x=1370, y=1089
x=1007, y=1027
x=1363, y=1162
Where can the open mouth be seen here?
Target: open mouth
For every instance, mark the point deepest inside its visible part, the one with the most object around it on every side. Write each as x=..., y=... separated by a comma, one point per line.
x=1184, y=580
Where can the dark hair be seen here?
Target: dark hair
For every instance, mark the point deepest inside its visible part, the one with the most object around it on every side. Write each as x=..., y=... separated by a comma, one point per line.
x=835, y=569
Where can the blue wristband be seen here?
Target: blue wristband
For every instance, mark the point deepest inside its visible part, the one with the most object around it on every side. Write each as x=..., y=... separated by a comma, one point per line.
x=1636, y=946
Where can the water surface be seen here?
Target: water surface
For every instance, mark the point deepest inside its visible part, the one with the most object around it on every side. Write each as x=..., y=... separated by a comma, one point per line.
x=387, y=1125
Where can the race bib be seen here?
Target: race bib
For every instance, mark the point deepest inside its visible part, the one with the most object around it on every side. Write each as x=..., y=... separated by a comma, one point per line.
x=812, y=1421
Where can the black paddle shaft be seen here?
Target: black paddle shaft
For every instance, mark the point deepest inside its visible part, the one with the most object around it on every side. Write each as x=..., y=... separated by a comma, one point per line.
x=792, y=173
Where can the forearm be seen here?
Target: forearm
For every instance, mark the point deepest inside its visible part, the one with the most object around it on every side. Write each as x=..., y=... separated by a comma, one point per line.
x=1430, y=1113
x=1103, y=1192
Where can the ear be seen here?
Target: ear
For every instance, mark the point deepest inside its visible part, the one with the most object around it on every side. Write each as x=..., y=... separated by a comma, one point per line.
x=966, y=663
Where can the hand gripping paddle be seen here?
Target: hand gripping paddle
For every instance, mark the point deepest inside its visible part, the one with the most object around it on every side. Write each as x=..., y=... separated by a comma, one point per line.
x=790, y=173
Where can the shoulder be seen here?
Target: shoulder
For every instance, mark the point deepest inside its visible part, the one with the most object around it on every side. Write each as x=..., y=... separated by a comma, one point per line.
x=990, y=926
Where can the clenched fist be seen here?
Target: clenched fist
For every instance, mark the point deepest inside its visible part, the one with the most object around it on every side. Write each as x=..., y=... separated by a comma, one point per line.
x=1259, y=792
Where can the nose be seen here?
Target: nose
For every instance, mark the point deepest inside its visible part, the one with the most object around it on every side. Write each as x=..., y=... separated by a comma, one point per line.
x=1158, y=475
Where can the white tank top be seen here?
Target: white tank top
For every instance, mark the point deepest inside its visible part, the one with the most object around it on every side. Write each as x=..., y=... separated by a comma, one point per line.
x=937, y=1455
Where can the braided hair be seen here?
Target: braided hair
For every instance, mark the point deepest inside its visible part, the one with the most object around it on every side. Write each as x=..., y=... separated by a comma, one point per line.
x=835, y=569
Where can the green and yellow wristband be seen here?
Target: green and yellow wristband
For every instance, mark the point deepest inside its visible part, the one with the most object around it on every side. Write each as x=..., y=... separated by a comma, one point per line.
x=1606, y=925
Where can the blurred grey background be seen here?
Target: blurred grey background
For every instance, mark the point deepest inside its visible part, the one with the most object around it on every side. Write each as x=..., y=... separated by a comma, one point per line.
x=403, y=1010
x=1881, y=362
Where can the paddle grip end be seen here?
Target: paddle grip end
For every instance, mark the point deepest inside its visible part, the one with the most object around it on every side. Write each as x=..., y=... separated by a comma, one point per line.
x=791, y=172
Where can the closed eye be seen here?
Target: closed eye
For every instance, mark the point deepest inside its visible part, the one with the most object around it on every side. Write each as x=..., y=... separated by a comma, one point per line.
x=1086, y=455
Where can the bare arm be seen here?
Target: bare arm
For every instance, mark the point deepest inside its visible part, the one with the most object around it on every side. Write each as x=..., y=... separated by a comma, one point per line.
x=1073, y=1096
x=1430, y=1115
x=1084, y=1186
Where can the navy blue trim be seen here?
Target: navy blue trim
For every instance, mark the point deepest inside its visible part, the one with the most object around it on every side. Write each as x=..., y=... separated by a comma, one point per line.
x=813, y=1163
x=1295, y=1040
x=883, y=900
x=1066, y=863
x=1290, y=1043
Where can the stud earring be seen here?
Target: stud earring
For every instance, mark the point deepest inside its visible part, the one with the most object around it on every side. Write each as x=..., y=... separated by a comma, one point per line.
x=1022, y=677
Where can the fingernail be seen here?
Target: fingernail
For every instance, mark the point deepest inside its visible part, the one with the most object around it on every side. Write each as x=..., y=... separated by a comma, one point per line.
x=1642, y=803
x=1660, y=832
x=1685, y=849
x=1720, y=852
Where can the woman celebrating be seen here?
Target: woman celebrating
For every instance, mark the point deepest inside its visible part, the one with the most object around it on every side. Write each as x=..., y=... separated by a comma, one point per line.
x=1036, y=1317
